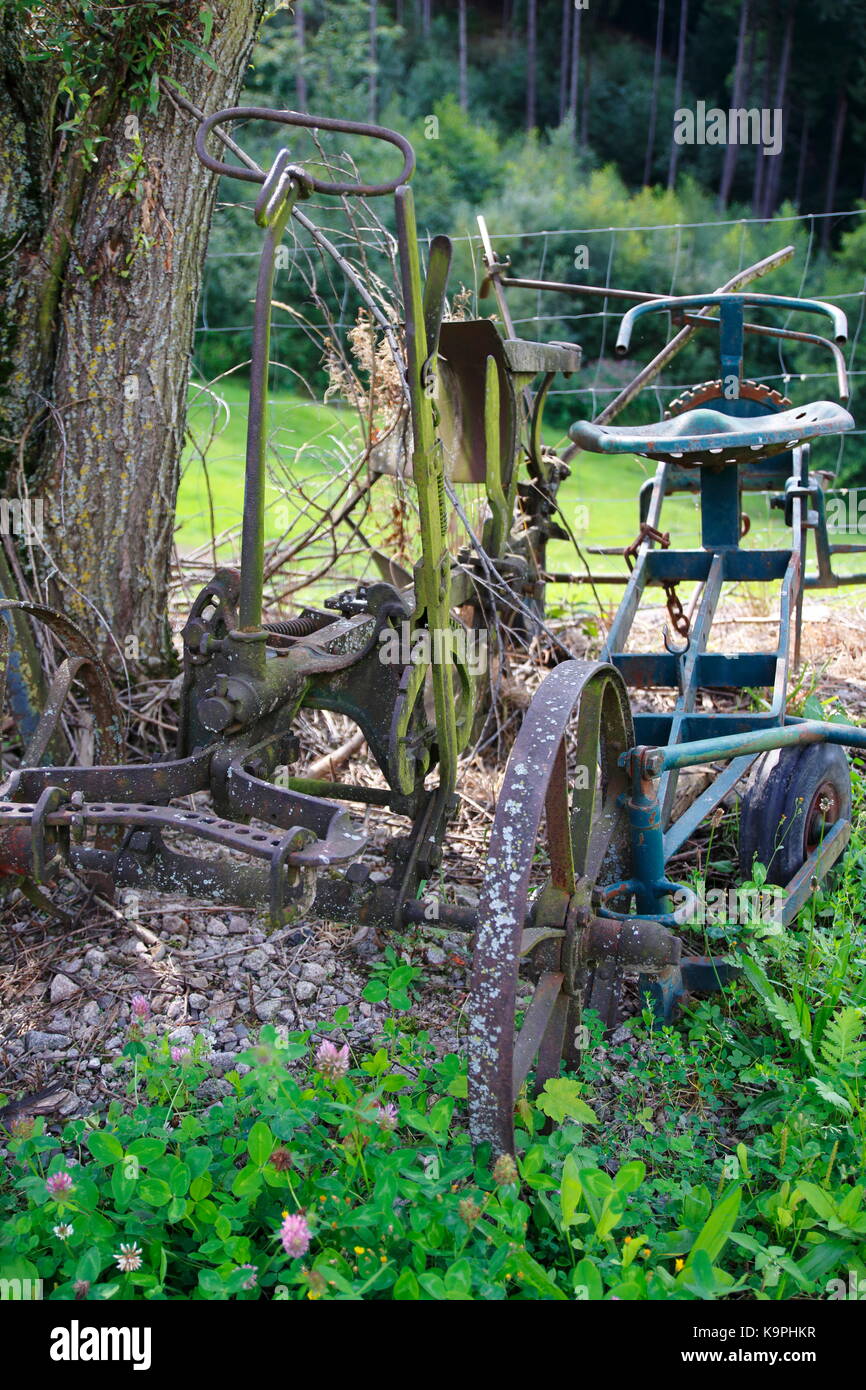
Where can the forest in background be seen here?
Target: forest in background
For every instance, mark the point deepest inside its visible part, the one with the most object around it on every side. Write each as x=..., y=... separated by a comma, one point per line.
x=549, y=118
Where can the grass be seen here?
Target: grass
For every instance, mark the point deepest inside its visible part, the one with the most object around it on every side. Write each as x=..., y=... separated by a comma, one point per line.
x=210, y=497
x=599, y=500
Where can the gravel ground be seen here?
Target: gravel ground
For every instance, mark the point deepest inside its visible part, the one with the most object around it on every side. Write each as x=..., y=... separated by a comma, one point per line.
x=66, y=990
x=67, y=993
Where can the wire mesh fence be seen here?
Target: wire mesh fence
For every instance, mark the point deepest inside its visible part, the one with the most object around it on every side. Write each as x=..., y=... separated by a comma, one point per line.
x=337, y=370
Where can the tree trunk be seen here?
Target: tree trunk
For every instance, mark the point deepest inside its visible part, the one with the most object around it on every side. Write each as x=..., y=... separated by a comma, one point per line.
x=587, y=86
x=374, y=62
x=462, y=56
x=101, y=268
x=835, y=155
x=802, y=162
x=654, y=98
x=761, y=162
x=301, y=41
x=574, y=73
x=774, y=181
x=564, y=50
x=678, y=87
x=531, y=16
x=731, y=150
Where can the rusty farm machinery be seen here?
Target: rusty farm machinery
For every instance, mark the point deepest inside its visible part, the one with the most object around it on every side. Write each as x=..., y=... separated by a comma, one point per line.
x=589, y=787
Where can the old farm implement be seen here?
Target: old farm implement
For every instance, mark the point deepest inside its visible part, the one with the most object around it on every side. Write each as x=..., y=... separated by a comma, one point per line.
x=587, y=784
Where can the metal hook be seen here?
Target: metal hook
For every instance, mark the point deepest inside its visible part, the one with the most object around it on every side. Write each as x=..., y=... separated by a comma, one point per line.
x=674, y=651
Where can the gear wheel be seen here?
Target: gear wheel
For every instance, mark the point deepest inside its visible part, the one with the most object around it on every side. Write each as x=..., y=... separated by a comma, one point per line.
x=712, y=390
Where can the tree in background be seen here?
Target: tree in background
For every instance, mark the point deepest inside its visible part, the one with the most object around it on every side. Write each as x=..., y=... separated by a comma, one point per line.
x=105, y=211
x=654, y=93
x=678, y=86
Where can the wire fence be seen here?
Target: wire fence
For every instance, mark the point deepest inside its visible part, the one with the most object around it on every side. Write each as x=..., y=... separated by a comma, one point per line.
x=316, y=301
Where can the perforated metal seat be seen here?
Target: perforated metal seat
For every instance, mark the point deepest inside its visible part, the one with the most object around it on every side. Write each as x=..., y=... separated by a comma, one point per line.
x=710, y=437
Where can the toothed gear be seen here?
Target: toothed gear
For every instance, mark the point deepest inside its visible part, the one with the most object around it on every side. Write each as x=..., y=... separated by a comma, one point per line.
x=696, y=396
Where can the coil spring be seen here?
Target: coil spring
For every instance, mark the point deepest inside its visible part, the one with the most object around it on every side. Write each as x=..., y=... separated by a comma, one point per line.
x=301, y=626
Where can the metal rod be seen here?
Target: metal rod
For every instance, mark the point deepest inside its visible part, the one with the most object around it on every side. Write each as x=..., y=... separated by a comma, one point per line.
x=709, y=750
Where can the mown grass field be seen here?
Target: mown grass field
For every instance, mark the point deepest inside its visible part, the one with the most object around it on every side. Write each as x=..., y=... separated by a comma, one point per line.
x=309, y=440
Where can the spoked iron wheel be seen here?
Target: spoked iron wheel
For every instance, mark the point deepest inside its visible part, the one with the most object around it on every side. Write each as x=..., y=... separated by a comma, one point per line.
x=40, y=730
x=564, y=768
x=37, y=729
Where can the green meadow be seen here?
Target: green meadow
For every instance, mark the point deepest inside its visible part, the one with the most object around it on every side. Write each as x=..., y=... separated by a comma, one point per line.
x=309, y=440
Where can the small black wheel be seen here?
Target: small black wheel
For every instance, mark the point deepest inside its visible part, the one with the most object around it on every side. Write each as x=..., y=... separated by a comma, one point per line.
x=792, y=798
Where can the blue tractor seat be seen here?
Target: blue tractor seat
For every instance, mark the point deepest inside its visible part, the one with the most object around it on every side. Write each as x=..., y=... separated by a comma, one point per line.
x=709, y=437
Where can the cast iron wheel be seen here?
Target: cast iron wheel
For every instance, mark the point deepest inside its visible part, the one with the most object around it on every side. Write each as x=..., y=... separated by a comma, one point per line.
x=792, y=798
x=579, y=719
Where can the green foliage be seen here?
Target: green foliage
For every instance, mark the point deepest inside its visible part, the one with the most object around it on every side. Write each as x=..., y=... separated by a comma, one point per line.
x=95, y=52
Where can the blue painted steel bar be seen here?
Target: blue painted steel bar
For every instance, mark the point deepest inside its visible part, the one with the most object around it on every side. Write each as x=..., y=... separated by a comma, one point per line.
x=676, y=303
x=710, y=750
x=703, y=805
x=689, y=673
x=675, y=566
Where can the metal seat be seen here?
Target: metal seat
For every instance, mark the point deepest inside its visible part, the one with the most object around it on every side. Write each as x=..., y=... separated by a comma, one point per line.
x=713, y=438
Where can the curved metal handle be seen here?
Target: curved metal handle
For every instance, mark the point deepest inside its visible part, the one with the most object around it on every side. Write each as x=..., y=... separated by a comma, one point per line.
x=300, y=118
x=697, y=301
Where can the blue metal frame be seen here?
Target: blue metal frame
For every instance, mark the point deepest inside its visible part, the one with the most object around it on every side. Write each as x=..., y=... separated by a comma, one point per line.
x=685, y=736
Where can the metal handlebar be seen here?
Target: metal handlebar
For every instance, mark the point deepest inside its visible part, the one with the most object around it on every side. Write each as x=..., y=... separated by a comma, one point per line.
x=300, y=118
x=695, y=301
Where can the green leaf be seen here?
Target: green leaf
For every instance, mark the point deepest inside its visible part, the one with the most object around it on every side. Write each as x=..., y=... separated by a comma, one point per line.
x=819, y=1200
x=154, y=1191
x=375, y=992
x=406, y=1288
x=260, y=1144
x=458, y=1280
x=105, y=1148
x=570, y=1191
x=832, y=1097
x=248, y=1181
x=148, y=1150
x=198, y=1160
x=200, y=1187
x=587, y=1281
x=90, y=1265
x=122, y=1187
x=629, y=1176
x=529, y=1274
x=714, y=1234
x=179, y=1180
x=560, y=1100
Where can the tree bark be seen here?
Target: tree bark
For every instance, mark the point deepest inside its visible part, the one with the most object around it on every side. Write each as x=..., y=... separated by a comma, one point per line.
x=100, y=283
x=654, y=98
x=678, y=88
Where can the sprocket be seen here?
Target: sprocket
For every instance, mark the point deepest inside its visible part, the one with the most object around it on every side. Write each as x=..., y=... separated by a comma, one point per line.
x=708, y=391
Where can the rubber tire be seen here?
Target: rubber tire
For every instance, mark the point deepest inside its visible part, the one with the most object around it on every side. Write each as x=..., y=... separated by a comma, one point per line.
x=782, y=786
